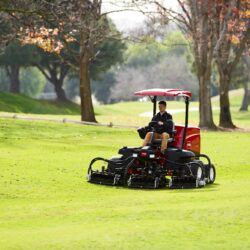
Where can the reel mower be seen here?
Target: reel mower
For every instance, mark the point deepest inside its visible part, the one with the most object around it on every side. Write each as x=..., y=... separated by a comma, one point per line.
x=180, y=166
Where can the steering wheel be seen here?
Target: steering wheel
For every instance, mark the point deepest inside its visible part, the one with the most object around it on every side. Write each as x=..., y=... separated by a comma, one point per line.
x=166, y=127
x=153, y=124
x=156, y=127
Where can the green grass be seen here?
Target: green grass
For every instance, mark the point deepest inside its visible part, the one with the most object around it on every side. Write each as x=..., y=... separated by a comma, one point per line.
x=46, y=202
x=128, y=113
x=24, y=104
x=124, y=113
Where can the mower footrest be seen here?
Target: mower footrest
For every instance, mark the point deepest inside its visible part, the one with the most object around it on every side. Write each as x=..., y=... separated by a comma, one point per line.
x=104, y=178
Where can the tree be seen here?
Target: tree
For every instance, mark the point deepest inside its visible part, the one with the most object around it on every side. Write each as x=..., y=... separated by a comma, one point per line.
x=16, y=16
x=199, y=24
x=162, y=64
x=145, y=53
x=4, y=81
x=196, y=21
x=232, y=33
x=207, y=23
x=32, y=81
x=73, y=19
x=93, y=28
x=108, y=55
x=14, y=57
x=103, y=86
x=7, y=33
x=246, y=97
x=54, y=70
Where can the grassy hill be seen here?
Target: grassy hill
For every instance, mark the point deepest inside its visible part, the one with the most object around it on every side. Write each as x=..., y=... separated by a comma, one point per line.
x=24, y=104
x=46, y=203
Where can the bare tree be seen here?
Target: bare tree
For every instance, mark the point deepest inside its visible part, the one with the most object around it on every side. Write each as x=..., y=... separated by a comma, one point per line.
x=207, y=21
x=195, y=19
x=246, y=97
x=232, y=31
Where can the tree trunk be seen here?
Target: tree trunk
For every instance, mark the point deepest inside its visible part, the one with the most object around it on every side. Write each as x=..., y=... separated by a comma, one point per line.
x=202, y=47
x=60, y=93
x=225, y=114
x=203, y=63
x=50, y=72
x=87, y=110
x=246, y=98
x=13, y=74
x=205, y=106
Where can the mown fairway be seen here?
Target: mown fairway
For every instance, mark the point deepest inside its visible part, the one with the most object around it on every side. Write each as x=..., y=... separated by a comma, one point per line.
x=46, y=202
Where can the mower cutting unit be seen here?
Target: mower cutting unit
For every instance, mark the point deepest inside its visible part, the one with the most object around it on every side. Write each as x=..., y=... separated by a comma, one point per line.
x=146, y=167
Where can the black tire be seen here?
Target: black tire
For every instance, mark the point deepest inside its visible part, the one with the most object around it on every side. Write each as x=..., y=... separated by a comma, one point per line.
x=198, y=172
x=88, y=177
x=211, y=174
x=157, y=182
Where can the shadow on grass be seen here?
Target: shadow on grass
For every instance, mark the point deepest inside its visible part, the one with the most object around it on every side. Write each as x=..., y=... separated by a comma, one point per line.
x=208, y=188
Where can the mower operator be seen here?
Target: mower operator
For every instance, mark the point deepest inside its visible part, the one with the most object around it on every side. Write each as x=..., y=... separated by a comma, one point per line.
x=162, y=119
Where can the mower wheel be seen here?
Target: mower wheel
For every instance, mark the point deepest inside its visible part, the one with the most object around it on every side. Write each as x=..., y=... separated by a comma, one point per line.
x=197, y=170
x=170, y=183
x=156, y=182
x=211, y=174
x=89, y=174
x=88, y=177
x=198, y=173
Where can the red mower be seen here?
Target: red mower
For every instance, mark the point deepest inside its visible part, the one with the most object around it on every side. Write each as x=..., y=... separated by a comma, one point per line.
x=180, y=166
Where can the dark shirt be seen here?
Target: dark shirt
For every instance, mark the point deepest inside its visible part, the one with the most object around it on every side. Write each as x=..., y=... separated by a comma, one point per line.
x=168, y=124
x=162, y=118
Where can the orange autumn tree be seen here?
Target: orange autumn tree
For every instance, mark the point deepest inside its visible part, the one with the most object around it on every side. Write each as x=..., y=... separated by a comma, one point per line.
x=55, y=24
x=45, y=38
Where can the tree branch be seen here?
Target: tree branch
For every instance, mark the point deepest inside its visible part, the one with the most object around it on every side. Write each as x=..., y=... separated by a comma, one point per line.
x=224, y=30
x=185, y=11
x=241, y=48
x=43, y=72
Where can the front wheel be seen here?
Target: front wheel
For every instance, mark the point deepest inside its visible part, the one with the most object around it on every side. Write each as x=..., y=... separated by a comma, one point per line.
x=197, y=171
x=211, y=175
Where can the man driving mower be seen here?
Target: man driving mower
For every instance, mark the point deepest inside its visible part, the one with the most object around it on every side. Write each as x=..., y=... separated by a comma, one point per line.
x=180, y=166
x=162, y=119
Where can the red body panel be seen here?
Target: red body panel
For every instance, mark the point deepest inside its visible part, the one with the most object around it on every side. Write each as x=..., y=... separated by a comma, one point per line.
x=192, y=142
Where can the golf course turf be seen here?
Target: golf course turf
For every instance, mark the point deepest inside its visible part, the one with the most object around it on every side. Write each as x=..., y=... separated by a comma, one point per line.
x=46, y=203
